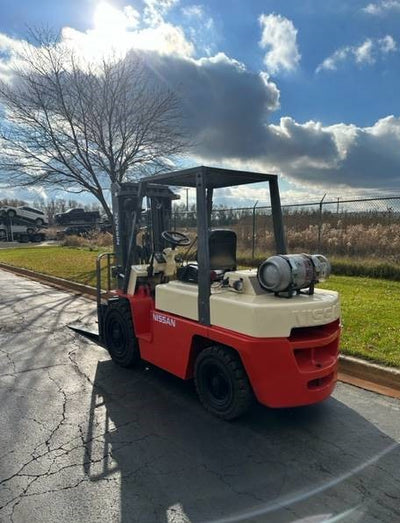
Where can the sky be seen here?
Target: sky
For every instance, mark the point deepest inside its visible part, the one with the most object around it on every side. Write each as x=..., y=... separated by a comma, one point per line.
x=309, y=89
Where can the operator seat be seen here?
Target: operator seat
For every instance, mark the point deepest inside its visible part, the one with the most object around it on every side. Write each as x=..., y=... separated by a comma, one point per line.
x=222, y=251
x=222, y=248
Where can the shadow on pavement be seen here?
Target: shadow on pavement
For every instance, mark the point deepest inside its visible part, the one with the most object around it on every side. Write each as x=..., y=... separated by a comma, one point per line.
x=178, y=463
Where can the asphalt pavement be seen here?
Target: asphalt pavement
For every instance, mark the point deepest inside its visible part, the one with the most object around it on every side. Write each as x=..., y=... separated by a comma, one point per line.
x=84, y=440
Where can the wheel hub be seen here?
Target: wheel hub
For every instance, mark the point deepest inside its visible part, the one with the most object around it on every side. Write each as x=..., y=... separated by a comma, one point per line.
x=218, y=384
x=117, y=334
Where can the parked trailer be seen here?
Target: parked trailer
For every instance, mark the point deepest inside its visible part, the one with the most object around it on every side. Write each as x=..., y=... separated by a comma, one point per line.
x=20, y=233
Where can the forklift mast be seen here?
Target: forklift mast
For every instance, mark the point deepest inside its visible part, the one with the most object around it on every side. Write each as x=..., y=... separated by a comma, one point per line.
x=129, y=217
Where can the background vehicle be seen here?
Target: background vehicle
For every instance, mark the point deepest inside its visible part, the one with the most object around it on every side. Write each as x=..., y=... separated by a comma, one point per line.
x=105, y=227
x=265, y=333
x=20, y=233
x=27, y=213
x=19, y=228
x=77, y=216
x=79, y=230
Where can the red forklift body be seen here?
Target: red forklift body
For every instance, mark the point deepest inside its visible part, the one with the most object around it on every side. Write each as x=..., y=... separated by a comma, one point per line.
x=283, y=372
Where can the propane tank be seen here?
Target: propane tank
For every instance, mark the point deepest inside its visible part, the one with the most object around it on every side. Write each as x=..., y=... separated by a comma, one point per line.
x=289, y=273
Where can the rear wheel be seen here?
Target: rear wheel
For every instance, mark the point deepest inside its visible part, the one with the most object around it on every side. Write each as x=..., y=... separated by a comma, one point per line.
x=11, y=213
x=119, y=335
x=39, y=222
x=222, y=383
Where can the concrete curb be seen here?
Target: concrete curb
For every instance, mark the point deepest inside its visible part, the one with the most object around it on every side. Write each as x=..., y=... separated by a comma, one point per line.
x=386, y=376
x=54, y=281
x=361, y=373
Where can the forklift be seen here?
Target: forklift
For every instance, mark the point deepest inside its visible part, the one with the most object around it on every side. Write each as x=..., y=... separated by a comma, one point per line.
x=242, y=334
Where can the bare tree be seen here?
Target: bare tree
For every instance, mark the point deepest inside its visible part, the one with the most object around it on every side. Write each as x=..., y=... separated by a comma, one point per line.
x=80, y=126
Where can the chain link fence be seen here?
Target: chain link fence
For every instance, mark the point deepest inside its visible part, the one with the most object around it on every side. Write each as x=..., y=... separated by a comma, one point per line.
x=368, y=227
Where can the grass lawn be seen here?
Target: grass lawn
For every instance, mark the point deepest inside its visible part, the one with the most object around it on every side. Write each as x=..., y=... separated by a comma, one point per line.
x=70, y=263
x=370, y=307
x=370, y=317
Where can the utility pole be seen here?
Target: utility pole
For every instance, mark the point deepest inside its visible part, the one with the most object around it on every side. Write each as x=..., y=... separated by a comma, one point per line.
x=187, y=198
x=320, y=222
x=253, y=238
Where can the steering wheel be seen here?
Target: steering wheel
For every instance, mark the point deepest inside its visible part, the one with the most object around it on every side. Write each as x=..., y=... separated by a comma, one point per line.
x=175, y=238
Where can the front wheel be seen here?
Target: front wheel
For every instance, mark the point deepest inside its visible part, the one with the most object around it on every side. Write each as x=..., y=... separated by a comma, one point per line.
x=119, y=335
x=222, y=383
x=39, y=222
x=11, y=213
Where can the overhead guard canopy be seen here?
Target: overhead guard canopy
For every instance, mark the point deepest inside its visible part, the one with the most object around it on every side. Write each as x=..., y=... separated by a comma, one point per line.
x=214, y=178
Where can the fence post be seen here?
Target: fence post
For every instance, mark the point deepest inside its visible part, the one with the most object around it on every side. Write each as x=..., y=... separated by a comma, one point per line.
x=320, y=222
x=253, y=242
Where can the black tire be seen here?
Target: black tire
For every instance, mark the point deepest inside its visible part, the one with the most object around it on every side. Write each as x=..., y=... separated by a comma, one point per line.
x=11, y=213
x=222, y=383
x=39, y=222
x=119, y=335
x=30, y=230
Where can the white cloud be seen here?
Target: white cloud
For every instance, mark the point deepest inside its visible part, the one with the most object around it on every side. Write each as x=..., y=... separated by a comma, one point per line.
x=115, y=31
x=109, y=18
x=193, y=11
x=227, y=105
x=337, y=155
x=10, y=52
x=201, y=29
x=229, y=110
x=347, y=157
x=119, y=29
x=366, y=53
x=363, y=53
x=387, y=44
x=155, y=10
x=132, y=16
x=383, y=7
x=26, y=194
x=279, y=37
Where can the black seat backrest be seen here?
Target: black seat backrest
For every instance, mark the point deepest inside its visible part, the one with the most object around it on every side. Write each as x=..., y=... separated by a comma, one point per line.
x=222, y=246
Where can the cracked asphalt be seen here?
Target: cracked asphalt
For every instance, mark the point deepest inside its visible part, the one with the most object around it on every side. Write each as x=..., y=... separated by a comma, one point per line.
x=84, y=440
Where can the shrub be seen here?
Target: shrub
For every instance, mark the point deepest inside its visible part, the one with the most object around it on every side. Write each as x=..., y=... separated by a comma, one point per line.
x=92, y=240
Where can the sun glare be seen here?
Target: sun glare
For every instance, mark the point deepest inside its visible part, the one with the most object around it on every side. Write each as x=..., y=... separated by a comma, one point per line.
x=119, y=30
x=109, y=20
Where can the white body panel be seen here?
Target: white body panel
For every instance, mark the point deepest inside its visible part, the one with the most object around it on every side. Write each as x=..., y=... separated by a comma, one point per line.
x=137, y=271
x=253, y=312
